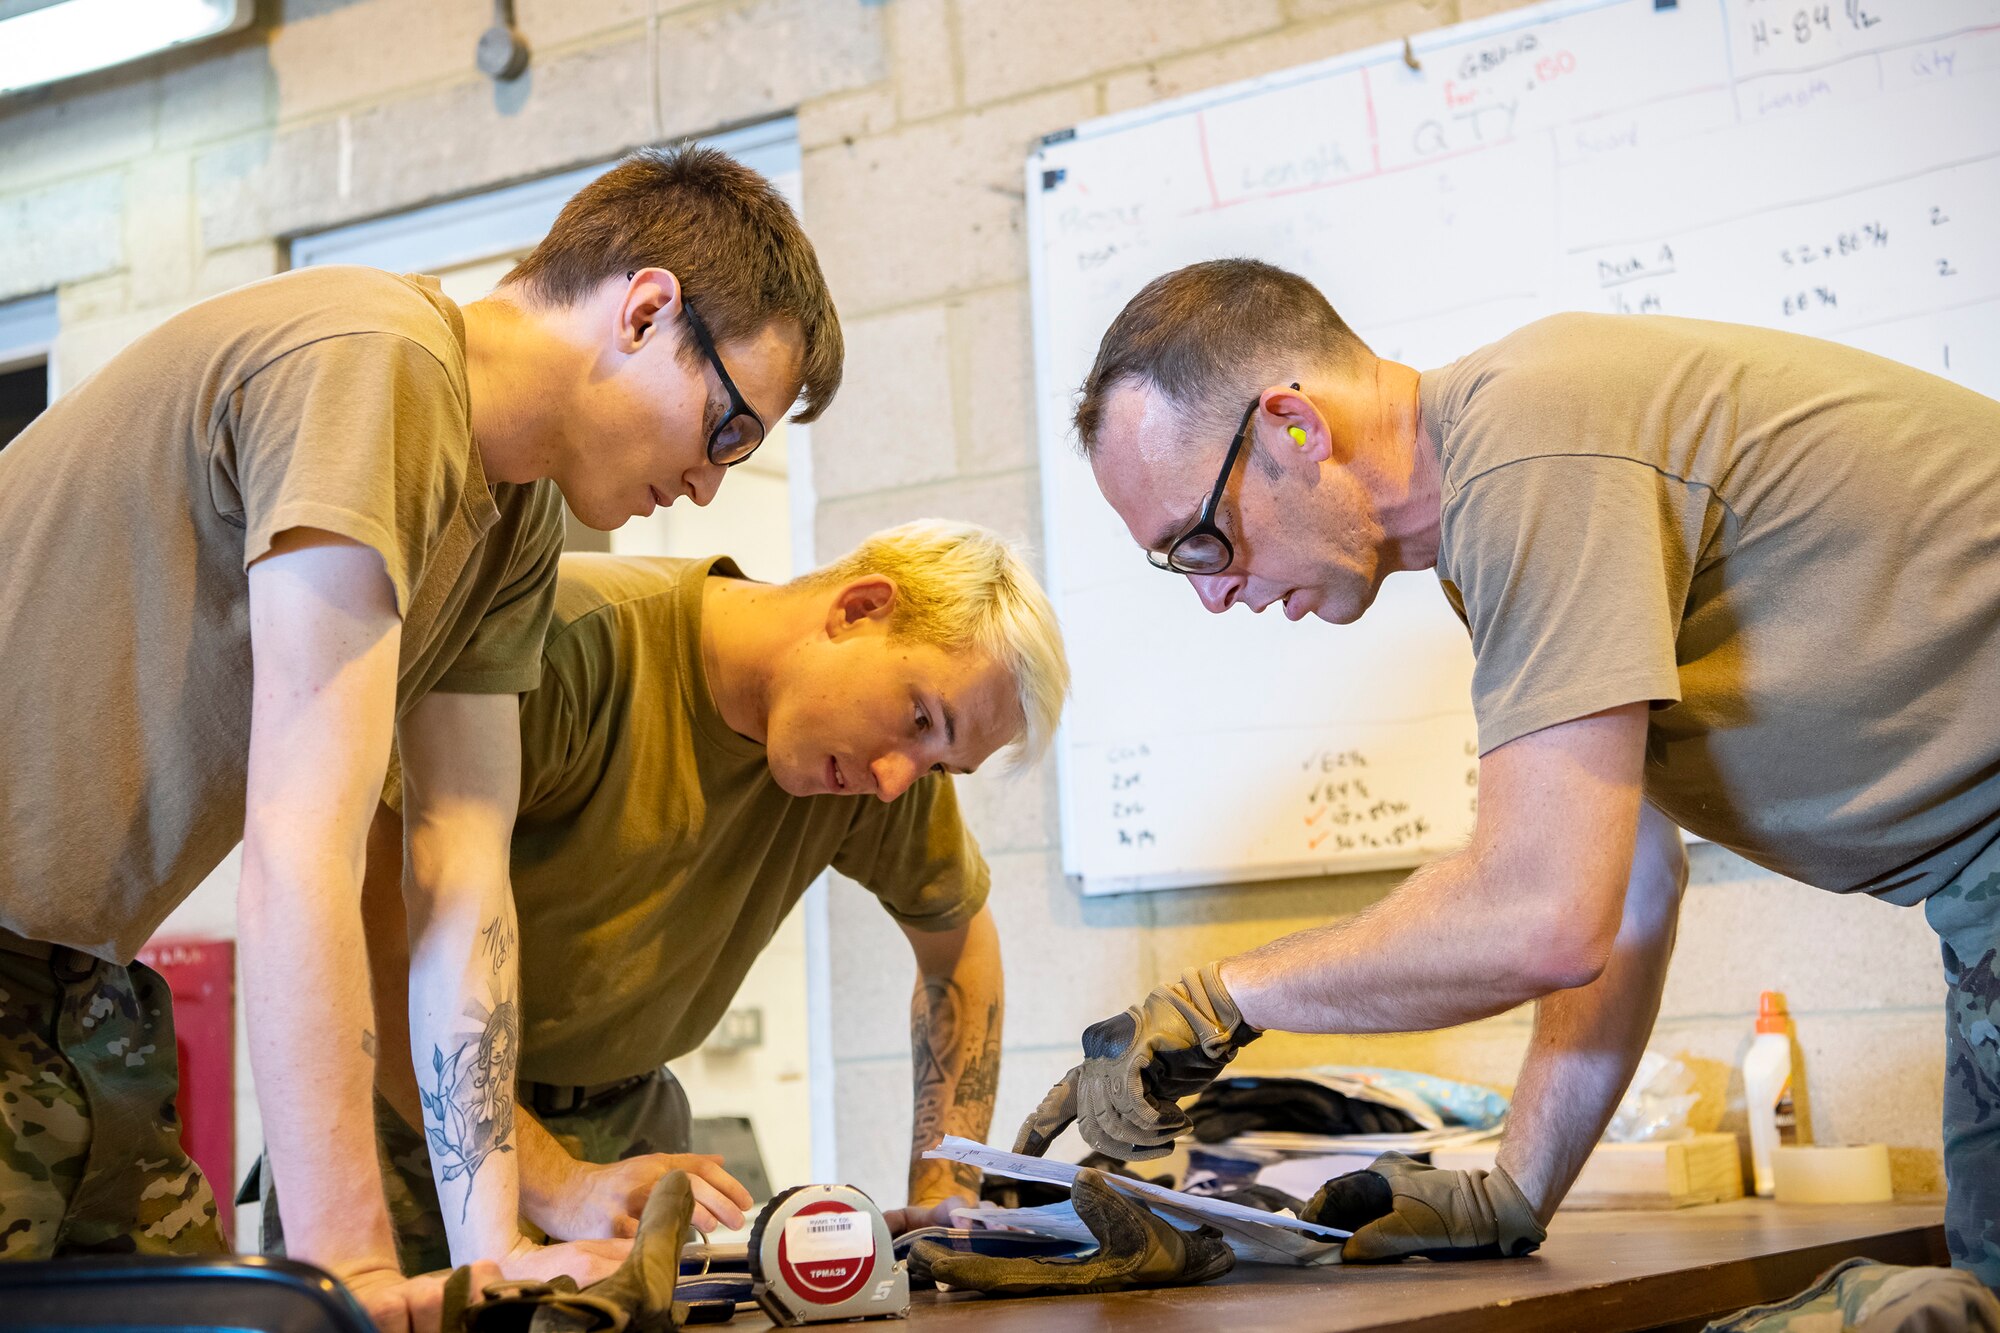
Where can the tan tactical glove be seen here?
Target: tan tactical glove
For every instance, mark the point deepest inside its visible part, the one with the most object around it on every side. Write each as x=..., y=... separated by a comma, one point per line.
x=1135, y=1250
x=1399, y=1207
x=1138, y=1065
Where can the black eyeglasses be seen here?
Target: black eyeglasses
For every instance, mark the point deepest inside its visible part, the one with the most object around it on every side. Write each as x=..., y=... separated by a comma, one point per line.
x=741, y=430
x=1202, y=548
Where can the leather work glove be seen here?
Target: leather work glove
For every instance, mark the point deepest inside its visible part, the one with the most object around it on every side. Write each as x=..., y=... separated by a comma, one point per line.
x=1399, y=1207
x=637, y=1298
x=1138, y=1065
x=1135, y=1249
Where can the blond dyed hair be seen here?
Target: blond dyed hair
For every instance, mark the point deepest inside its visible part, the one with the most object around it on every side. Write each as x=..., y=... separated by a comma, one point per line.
x=960, y=585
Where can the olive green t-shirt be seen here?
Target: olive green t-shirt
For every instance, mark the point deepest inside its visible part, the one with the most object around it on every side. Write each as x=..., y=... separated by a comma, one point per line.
x=1790, y=547
x=654, y=855
x=130, y=511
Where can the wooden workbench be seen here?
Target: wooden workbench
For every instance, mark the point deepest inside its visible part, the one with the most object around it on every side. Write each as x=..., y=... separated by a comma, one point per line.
x=1603, y=1272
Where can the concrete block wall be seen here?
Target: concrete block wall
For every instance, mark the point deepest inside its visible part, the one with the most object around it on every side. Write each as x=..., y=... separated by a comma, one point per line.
x=135, y=192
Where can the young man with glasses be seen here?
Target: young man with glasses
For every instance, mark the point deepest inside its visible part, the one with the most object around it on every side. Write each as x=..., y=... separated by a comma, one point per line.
x=1724, y=578
x=700, y=748
x=291, y=523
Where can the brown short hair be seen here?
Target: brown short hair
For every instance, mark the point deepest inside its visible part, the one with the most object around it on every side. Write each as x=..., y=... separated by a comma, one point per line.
x=719, y=227
x=1211, y=335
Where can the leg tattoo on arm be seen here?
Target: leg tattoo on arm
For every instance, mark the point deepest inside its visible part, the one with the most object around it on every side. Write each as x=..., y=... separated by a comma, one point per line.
x=469, y=1114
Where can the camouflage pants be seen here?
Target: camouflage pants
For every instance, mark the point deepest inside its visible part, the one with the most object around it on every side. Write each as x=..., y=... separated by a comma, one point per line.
x=1860, y=1293
x=651, y=1116
x=90, y=1141
x=1966, y=916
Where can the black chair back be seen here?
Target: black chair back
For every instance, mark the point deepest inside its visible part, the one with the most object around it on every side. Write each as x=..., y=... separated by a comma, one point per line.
x=126, y=1293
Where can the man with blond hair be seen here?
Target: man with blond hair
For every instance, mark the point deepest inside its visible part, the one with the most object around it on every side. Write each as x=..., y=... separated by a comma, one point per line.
x=701, y=747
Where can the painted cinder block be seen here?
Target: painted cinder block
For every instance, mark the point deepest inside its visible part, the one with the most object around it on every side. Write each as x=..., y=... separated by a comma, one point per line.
x=584, y=106
x=548, y=24
x=892, y=424
x=740, y=62
x=924, y=57
x=1010, y=47
x=1008, y=502
x=1070, y=961
x=1009, y=810
x=993, y=371
x=58, y=132
x=932, y=209
x=208, y=94
x=845, y=117
x=1828, y=952
x=327, y=57
x=61, y=233
x=871, y=972
x=160, y=249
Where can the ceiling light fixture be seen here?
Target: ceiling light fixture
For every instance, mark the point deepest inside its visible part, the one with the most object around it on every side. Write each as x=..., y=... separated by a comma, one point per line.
x=43, y=41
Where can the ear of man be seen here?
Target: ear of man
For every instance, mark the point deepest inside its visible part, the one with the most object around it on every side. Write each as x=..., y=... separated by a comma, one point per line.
x=1291, y=428
x=864, y=603
x=651, y=300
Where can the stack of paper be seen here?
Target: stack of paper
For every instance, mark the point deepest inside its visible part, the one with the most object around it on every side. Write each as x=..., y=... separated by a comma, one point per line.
x=1255, y=1235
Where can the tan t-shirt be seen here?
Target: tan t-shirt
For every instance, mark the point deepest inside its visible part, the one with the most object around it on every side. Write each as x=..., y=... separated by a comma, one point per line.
x=1790, y=547
x=654, y=855
x=331, y=398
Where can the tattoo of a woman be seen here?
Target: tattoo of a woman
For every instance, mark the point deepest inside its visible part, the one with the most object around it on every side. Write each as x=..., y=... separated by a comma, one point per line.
x=469, y=1114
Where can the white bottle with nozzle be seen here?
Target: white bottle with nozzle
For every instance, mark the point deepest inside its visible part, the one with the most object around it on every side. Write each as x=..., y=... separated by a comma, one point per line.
x=1768, y=1080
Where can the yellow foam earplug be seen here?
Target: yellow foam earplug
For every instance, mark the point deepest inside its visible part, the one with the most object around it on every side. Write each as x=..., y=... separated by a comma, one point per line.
x=1299, y=433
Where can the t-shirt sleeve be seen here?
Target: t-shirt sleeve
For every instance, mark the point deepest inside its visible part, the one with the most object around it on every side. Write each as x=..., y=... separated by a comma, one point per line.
x=1574, y=572
x=364, y=435
x=550, y=741
x=916, y=855
x=504, y=654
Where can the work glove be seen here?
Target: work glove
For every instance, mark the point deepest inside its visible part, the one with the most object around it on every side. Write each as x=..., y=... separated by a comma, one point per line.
x=637, y=1298
x=1399, y=1207
x=1138, y=1065
x=1135, y=1249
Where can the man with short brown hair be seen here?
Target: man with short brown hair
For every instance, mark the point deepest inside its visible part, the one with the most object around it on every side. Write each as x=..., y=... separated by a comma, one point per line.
x=1719, y=577
x=287, y=523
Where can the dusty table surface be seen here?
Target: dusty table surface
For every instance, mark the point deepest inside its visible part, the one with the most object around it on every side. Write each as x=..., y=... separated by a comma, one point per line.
x=1600, y=1271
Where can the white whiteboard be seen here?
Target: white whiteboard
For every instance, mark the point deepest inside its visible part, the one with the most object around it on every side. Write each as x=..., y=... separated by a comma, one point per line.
x=1827, y=166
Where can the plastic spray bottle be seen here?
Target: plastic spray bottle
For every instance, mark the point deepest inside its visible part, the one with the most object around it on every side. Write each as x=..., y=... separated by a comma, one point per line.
x=1768, y=1083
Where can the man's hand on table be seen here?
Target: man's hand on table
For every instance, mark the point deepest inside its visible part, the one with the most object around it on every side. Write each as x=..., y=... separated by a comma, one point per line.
x=604, y=1202
x=587, y=1261
x=930, y=1213
x=1137, y=1066
x=1399, y=1207
x=398, y=1304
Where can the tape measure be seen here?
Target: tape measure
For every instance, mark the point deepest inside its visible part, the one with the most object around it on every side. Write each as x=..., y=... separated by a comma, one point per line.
x=821, y=1253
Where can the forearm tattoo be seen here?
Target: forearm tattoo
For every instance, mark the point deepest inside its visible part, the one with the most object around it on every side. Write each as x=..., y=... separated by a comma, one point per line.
x=469, y=1114
x=956, y=1072
x=496, y=941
